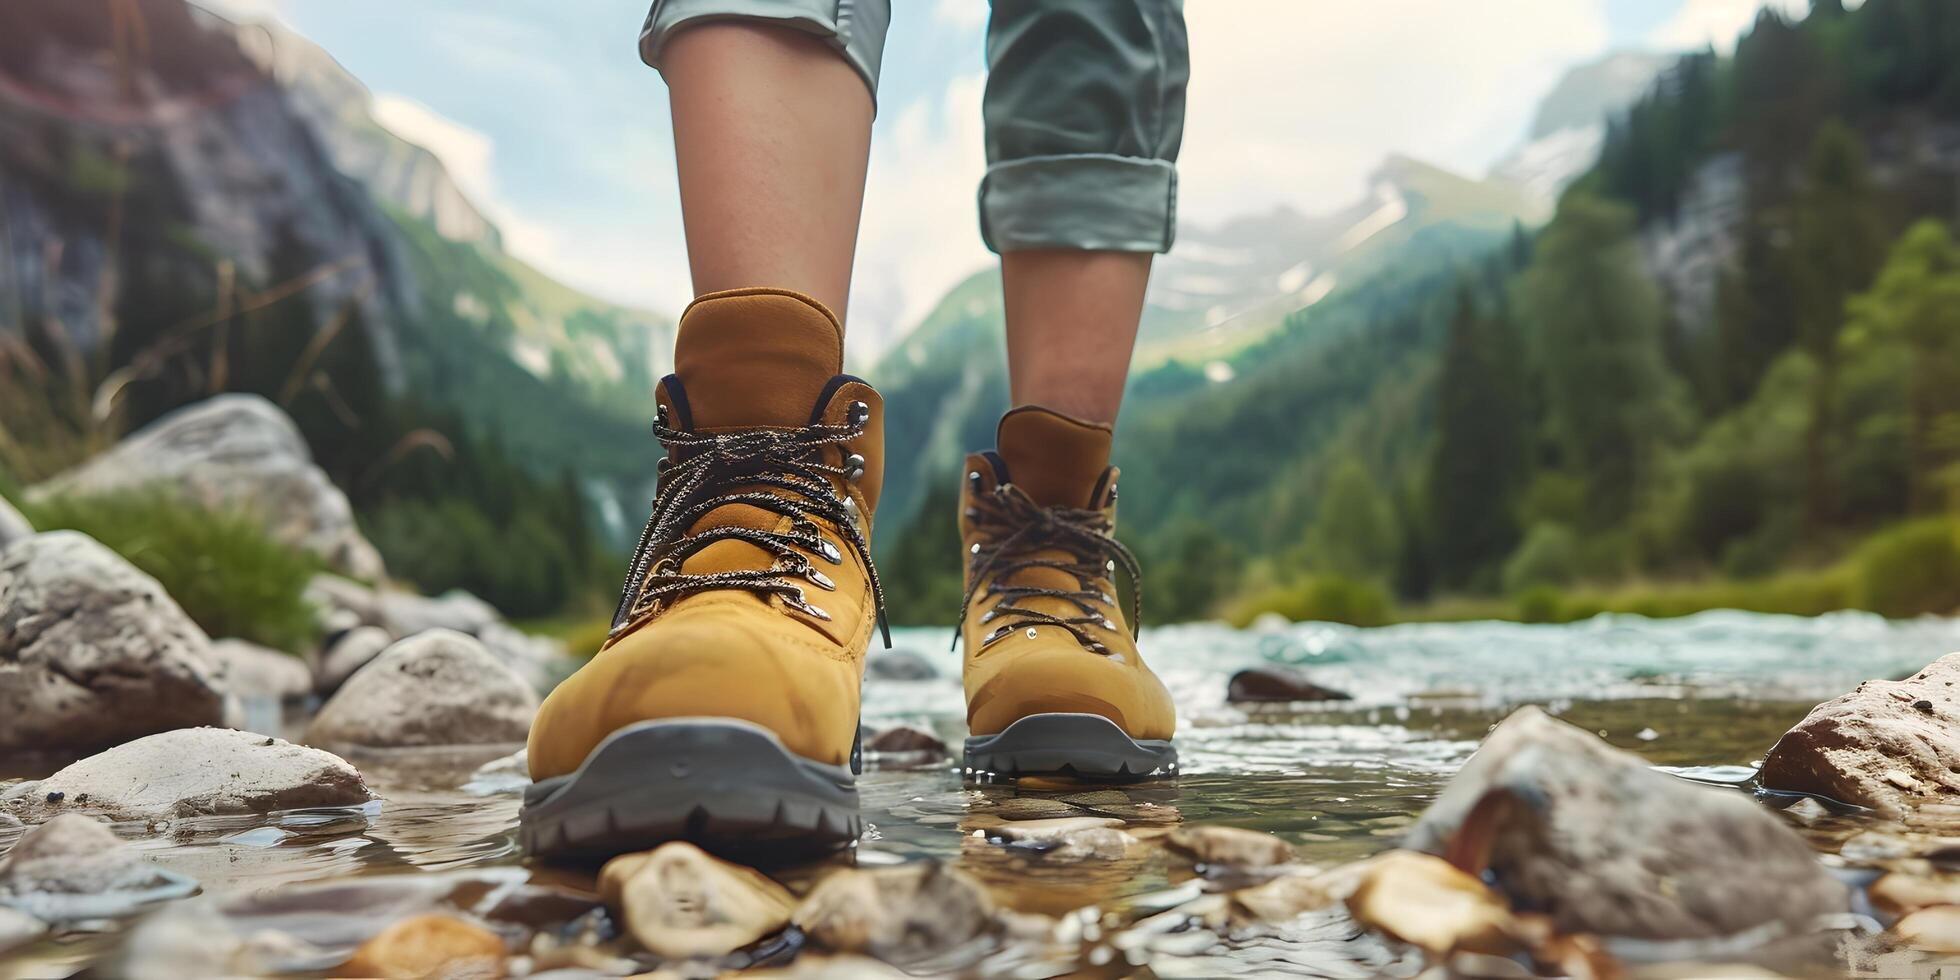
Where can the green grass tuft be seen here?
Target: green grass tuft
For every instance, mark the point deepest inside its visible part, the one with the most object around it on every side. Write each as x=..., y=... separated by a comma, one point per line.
x=226, y=572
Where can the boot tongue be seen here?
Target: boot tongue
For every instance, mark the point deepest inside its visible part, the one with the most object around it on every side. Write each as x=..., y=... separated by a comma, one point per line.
x=756, y=357
x=1056, y=459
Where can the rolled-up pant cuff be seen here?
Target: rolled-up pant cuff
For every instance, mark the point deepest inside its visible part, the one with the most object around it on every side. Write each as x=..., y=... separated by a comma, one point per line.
x=1092, y=201
x=855, y=29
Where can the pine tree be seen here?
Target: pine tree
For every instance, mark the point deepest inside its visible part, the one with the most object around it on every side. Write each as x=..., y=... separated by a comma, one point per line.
x=1596, y=319
x=1916, y=303
x=1839, y=242
x=1480, y=456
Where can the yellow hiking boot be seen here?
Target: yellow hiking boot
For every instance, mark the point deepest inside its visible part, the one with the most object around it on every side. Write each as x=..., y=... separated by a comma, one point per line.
x=1054, y=683
x=723, y=707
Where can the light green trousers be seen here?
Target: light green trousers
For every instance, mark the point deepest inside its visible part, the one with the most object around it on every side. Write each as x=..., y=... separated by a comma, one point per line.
x=1084, y=108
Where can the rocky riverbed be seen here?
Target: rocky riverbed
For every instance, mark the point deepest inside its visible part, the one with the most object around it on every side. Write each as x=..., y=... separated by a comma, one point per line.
x=1355, y=837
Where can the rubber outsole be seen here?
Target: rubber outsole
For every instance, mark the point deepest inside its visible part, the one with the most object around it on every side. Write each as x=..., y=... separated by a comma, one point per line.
x=1079, y=746
x=728, y=786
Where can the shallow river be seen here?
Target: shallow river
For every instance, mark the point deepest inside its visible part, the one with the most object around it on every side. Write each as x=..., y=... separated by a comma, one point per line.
x=1707, y=694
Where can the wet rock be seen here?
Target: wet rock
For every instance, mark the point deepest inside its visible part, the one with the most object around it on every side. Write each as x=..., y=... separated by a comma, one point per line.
x=1898, y=893
x=1931, y=930
x=193, y=939
x=1053, y=829
x=1282, y=898
x=1887, y=744
x=906, y=740
x=74, y=867
x=352, y=651
x=406, y=614
x=1565, y=824
x=367, y=620
x=342, y=602
x=505, y=774
x=901, y=914
x=435, y=688
x=19, y=929
x=529, y=656
x=252, y=671
x=899, y=665
x=1279, y=683
x=432, y=945
x=678, y=901
x=195, y=771
x=92, y=651
x=1027, y=808
x=13, y=526
x=1068, y=839
x=1231, y=847
x=1429, y=904
x=234, y=452
x=821, y=966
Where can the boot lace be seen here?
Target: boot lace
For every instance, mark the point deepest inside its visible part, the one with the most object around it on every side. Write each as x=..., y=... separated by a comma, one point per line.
x=1085, y=536
x=777, y=470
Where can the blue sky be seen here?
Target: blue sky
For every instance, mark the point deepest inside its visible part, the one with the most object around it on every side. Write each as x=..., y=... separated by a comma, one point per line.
x=548, y=119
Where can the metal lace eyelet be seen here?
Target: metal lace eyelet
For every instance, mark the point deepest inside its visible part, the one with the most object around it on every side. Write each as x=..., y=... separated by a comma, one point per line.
x=1112, y=493
x=1030, y=632
x=1110, y=566
x=829, y=551
x=853, y=467
x=660, y=416
x=973, y=480
x=851, y=511
x=988, y=616
x=821, y=580
x=972, y=513
x=796, y=601
x=1107, y=598
x=666, y=463
x=858, y=414
x=1108, y=624
x=975, y=549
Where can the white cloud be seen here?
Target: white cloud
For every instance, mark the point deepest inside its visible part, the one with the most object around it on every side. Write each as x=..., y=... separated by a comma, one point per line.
x=965, y=15
x=1702, y=23
x=1295, y=102
x=920, y=234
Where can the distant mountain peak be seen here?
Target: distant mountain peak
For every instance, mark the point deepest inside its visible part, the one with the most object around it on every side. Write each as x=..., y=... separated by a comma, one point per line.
x=340, y=109
x=1569, y=127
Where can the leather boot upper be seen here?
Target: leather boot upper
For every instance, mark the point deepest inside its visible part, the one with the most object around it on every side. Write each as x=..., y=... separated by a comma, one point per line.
x=1043, y=627
x=751, y=596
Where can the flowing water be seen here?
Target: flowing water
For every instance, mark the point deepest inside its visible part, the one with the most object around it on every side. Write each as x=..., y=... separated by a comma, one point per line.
x=1705, y=695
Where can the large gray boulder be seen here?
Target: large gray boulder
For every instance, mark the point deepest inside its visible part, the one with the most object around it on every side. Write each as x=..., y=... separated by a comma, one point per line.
x=435, y=688
x=352, y=651
x=248, y=670
x=1562, y=823
x=74, y=867
x=233, y=452
x=1887, y=744
x=193, y=772
x=92, y=651
x=13, y=526
x=353, y=611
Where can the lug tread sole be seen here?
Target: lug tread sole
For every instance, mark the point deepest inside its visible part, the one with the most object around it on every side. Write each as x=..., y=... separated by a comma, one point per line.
x=1078, y=746
x=727, y=786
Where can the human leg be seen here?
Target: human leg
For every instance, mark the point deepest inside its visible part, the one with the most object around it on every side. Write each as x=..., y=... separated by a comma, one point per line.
x=1084, y=114
x=722, y=707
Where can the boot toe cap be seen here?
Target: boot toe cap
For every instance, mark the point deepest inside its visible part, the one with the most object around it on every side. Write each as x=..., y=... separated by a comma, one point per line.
x=705, y=665
x=1058, y=676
